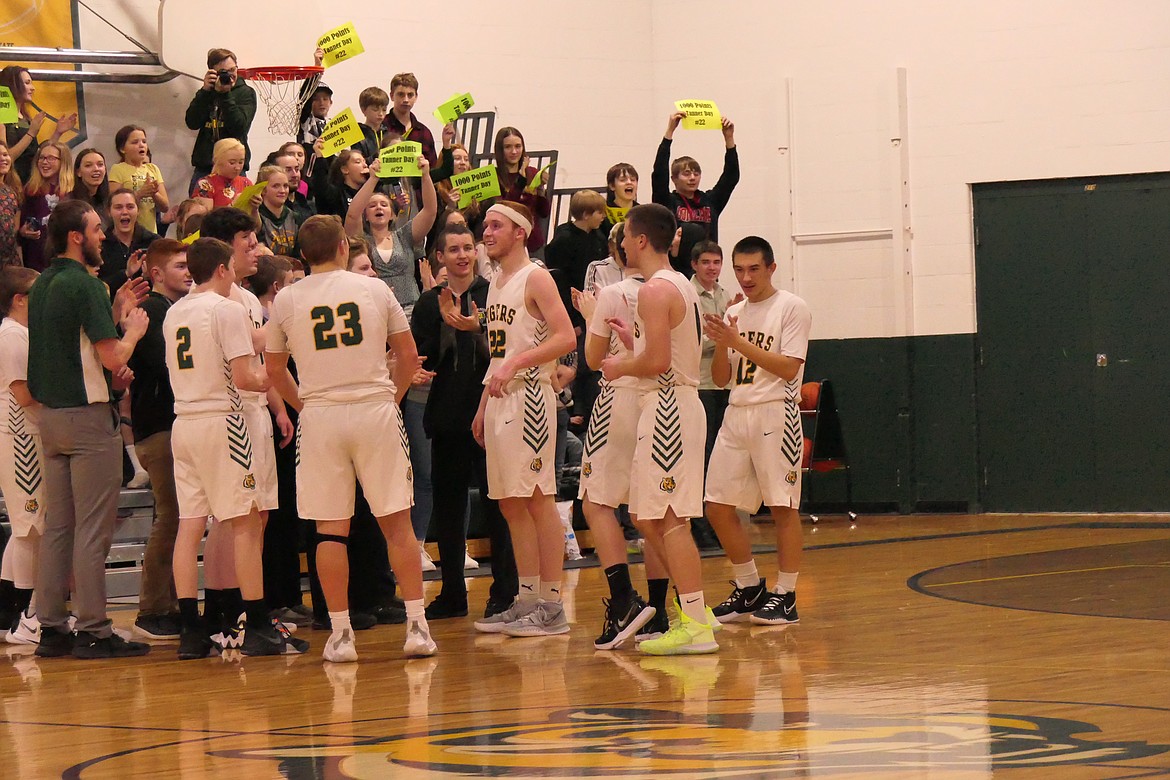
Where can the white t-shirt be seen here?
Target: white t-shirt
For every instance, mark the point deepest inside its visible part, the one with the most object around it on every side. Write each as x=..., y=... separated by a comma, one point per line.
x=779, y=324
x=204, y=332
x=616, y=301
x=14, y=368
x=336, y=325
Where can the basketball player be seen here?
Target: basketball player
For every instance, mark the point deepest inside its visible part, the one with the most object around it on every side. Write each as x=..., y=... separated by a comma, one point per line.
x=607, y=459
x=336, y=326
x=667, y=474
x=21, y=467
x=758, y=451
x=209, y=356
x=528, y=329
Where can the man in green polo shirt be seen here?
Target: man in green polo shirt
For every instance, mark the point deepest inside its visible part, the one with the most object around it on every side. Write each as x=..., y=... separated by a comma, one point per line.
x=73, y=348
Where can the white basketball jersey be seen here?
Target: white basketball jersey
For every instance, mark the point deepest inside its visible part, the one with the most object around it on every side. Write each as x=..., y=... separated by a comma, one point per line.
x=619, y=300
x=14, y=368
x=255, y=312
x=779, y=324
x=510, y=328
x=336, y=325
x=686, y=348
x=204, y=332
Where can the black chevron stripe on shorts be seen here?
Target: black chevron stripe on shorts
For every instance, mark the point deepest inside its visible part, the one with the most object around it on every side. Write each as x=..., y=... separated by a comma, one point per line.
x=598, y=432
x=298, y=444
x=792, y=444
x=403, y=437
x=28, y=465
x=233, y=393
x=667, y=448
x=535, y=418
x=16, y=417
x=239, y=442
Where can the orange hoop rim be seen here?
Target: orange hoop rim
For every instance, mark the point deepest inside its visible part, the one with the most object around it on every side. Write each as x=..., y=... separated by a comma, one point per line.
x=280, y=72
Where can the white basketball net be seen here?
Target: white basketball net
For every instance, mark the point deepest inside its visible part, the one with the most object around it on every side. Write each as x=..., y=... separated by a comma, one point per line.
x=282, y=97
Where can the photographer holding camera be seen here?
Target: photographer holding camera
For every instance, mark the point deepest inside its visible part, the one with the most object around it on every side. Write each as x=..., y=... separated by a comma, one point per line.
x=222, y=108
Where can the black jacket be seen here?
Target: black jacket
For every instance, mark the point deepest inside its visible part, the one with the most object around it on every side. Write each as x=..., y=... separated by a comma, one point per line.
x=458, y=358
x=152, y=404
x=218, y=115
x=698, y=216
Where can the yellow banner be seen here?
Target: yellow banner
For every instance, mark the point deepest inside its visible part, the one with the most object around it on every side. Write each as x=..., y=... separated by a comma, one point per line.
x=399, y=160
x=534, y=185
x=8, y=113
x=454, y=108
x=47, y=23
x=480, y=183
x=700, y=114
x=616, y=214
x=341, y=132
x=340, y=44
x=243, y=201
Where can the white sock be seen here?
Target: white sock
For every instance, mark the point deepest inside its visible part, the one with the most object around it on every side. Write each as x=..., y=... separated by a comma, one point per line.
x=529, y=589
x=339, y=620
x=550, y=591
x=134, y=459
x=693, y=606
x=745, y=574
x=786, y=581
x=416, y=610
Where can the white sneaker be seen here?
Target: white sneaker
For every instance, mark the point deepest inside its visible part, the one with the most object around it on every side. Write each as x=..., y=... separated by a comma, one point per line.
x=27, y=631
x=468, y=561
x=418, y=640
x=341, y=649
x=427, y=563
x=140, y=480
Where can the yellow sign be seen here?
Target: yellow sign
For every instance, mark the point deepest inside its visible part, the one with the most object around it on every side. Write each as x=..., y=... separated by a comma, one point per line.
x=191, y=238
x=536, y=180
x=341, y=132
x=616, y=214
x=700, y=114
x=454, y=108
x=243, y=201
x=340, y=44
x=401, y=159
x=8, y=113
x=480, y=183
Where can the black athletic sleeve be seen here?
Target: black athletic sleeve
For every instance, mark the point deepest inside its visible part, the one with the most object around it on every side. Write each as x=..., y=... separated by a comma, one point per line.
x=721, y=192
x=660, y=175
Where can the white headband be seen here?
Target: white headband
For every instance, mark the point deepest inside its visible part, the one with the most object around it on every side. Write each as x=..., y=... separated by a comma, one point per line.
x=512, y=214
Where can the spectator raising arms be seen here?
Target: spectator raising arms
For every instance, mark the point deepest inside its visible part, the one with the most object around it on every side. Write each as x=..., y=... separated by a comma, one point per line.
x=90, y=182
x=222, y=108
x=137, y=173
x=335, y=187
x=224, y=183
x=11, y=197
x=515, y=175
x=51, y=180
x=21, y=135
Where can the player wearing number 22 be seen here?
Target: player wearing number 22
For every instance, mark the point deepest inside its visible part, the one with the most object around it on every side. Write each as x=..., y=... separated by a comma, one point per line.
x=760, y=349
x=336, y=325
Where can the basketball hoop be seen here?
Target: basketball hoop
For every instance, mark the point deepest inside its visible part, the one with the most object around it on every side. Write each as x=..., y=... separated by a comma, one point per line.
x=278, y=88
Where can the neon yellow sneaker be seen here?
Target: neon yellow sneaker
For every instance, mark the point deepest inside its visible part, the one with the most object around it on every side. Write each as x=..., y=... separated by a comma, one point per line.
x=689, y=637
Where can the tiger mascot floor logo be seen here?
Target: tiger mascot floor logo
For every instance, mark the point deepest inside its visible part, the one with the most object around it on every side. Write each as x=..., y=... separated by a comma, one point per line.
x=643, y=742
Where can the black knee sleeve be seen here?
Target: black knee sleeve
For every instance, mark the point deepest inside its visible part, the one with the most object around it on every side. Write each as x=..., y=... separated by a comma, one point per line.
x=342, y=540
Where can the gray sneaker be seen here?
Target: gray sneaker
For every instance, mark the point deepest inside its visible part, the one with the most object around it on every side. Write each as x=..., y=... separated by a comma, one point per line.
x=546, y=620
x=495, y=623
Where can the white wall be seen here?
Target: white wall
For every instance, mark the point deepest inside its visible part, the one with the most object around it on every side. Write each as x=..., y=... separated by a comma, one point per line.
x=995, y=90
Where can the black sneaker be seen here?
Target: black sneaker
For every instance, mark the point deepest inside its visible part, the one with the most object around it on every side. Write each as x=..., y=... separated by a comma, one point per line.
x=446, y=607
x=54, y=643
x=621, y=626
x=262, y=640
x=654, y=628
x=779, y=609
x=194, y=644
x=741, y=603
x=157, y=627
x=292, y=645
x=86, y=645
x=495, y=607
x=387, y=615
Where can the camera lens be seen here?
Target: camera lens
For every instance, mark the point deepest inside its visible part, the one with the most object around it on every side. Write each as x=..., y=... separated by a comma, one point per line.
x=225, y=77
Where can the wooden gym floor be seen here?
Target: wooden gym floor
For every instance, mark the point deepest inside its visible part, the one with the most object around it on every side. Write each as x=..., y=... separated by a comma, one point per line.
x=929, y=647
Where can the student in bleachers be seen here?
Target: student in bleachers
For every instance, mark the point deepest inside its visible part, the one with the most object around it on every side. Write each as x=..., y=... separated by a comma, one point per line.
x=90, y=182
x=136, y=172
x=315, y=115
x=697, y=212
x=515, y=175
x=126, y=243
x=11, y=198
x=335, y=182
x=225, y=182
x=188, y=211
x=278, y=222
x=621, y=181
x=374, y=103
x=50, y=182
x=576, y=244
x=21, y=135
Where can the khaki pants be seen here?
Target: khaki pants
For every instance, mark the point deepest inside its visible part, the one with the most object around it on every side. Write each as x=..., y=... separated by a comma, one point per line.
x=156, y=592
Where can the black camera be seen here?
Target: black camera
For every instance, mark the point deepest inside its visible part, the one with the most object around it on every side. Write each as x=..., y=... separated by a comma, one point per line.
x=225, y=77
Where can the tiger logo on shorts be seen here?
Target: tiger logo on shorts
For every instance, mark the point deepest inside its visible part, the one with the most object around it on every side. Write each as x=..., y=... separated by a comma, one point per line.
x=791, y=478
x=31, y=505
x=410, y=473
x=250, y=481
x=667, y=485
x=537, y=464
x=586, y=469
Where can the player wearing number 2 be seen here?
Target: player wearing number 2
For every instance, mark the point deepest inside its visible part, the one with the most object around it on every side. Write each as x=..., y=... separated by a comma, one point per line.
x=336, y=325
x=758, y=451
